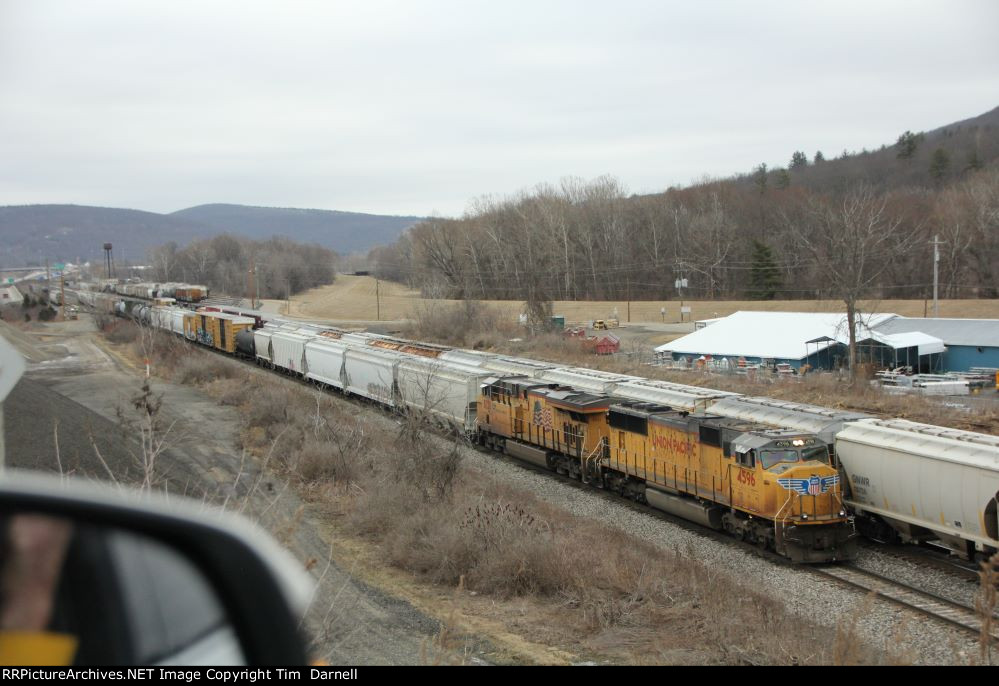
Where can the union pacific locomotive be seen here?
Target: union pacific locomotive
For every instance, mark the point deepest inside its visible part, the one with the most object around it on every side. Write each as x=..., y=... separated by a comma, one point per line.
x=773, y=487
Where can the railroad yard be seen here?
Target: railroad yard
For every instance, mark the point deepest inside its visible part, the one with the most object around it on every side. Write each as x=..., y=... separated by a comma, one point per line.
x=375, y=334
x=367, y=612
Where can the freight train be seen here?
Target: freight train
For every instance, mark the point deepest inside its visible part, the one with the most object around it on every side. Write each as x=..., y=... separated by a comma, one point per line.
x=181, y=292
x=769, y=486
x=898, y=480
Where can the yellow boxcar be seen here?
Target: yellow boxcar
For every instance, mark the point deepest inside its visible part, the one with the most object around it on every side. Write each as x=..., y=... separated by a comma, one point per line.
x=215, y=329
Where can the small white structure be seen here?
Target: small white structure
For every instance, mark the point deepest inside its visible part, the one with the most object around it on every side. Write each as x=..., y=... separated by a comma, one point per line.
x=9, y=295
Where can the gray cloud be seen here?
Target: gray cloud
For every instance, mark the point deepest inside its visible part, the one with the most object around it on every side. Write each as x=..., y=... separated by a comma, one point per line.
x=409, y=107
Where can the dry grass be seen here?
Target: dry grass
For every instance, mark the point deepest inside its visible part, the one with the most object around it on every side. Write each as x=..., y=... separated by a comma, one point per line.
x=467, y=324
x=986, y=603
x=353, y=298
x=123, y=332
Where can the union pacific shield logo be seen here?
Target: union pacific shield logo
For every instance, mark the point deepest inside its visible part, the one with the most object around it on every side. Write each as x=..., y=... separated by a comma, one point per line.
x=814, y=485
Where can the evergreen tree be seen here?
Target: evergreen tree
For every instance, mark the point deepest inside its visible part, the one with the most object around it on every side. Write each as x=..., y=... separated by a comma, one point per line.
x=798, y=160
x=760, y=178
x=939, y=164
x=974, y=162
x=764, y=276
x=819, y=157
x=782, y=179
x=907, y=144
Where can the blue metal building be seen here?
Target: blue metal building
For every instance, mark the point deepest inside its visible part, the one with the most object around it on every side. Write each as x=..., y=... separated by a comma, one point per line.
x=970, y=342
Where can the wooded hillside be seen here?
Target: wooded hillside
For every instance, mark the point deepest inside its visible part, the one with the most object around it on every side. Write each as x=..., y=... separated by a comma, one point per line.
x=862, y=223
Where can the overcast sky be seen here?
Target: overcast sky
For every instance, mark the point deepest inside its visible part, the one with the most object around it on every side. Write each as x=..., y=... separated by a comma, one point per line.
x=418, y=106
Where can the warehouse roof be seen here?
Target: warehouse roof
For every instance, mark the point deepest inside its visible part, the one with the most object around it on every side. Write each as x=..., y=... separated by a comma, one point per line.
x=777, y=335
x=977, y=332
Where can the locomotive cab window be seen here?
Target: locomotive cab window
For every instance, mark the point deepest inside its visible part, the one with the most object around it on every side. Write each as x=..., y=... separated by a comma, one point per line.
x=746, y=459
x=771, y=458
x=818, y=454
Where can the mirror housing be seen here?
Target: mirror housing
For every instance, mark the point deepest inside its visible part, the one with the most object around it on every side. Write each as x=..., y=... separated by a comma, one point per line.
x=262, y=591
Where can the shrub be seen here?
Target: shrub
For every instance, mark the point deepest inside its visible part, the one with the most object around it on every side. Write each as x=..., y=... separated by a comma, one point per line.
x=123, y=332
x=468, y=323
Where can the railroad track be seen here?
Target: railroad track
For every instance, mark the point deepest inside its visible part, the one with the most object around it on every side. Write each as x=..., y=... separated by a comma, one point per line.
x=909, y=597
x=929, y=556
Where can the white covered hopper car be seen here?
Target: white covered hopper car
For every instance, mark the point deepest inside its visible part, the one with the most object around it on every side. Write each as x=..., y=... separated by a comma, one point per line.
x=924, y=482
x=446, y=390
x=582, y=379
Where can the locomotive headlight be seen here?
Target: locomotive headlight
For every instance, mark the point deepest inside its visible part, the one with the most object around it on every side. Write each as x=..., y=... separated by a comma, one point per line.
x=797, y=442
x=842, y=513
x=804, y=516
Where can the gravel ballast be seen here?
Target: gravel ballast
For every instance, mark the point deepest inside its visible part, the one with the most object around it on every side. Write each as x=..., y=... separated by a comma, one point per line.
x=882, y=624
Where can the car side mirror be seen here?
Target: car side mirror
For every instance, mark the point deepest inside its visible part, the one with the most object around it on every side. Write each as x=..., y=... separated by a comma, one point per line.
x=90, y=574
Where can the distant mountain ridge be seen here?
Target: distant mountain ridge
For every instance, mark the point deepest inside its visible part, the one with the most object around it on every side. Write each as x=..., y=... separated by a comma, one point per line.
x=31, y=233
x=344, y=232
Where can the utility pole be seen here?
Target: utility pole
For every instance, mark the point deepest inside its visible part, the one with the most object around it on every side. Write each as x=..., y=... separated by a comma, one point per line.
x=378, y=301
x=48, y=280
x=936, y=274
x=250, y=274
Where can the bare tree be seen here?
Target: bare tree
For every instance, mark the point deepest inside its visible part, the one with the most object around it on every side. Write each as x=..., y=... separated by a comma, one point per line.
x=853, y=241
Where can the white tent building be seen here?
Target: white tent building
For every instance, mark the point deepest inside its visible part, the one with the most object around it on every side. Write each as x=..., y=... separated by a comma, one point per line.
x=819, y=339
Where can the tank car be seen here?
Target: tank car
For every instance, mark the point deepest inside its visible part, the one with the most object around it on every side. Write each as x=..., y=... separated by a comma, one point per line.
x=245, y=344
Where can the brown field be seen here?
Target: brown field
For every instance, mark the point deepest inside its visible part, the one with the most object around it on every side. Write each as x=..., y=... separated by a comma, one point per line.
x=352, y=298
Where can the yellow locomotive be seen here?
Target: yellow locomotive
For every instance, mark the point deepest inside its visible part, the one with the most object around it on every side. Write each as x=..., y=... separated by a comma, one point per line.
x=772, y=487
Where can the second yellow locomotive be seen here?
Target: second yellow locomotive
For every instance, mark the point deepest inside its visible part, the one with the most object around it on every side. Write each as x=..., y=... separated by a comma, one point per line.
x=772, y=487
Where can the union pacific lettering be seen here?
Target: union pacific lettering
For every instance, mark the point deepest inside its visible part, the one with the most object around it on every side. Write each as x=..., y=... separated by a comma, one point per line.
x=671, y=443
